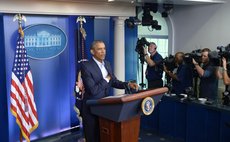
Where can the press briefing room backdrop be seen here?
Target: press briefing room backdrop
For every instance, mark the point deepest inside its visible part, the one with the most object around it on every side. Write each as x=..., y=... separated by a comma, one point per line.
x=54, y=78
x=190, y=27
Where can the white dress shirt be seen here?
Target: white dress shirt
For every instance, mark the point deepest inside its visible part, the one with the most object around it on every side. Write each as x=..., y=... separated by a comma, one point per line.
x=102, y=68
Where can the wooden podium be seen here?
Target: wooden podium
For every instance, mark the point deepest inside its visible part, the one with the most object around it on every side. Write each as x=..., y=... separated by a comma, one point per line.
x=119, y=116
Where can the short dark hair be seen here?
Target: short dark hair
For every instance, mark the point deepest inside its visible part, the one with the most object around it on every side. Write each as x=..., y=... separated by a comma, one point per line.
x=182, y=53
x=152, y=43
x=206, y=50
x=95, y=42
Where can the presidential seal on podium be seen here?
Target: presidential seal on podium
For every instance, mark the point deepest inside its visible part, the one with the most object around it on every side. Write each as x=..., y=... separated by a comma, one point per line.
x=147, y=105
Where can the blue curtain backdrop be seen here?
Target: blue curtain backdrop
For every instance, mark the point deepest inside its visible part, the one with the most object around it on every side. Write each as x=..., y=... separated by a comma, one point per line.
x=53, y=81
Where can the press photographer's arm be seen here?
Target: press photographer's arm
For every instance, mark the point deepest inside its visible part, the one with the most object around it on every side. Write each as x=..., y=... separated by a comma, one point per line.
x=169, y=73
x=200, y=71
x=225, y=72
x=148, y=60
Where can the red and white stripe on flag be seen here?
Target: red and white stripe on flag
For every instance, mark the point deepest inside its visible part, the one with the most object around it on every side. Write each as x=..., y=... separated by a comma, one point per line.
x=23, y=106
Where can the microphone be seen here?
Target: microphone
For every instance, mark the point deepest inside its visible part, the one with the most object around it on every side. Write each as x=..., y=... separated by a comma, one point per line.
x=127, y=89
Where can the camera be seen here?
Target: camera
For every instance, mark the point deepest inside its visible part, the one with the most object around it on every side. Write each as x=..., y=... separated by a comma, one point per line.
x=224, y=51
x=169, y=62
x=141, y=43
x=195, y=54
x=215, y=57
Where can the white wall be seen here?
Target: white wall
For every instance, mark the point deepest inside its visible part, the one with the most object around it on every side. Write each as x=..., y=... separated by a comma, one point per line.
x=66, y=7
x=200, y=26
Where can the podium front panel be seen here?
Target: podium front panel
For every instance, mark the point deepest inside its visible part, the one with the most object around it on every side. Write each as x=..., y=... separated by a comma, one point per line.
x=117, y=112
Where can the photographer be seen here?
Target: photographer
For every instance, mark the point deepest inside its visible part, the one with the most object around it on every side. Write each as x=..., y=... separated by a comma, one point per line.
x=181, y=75
x=154, y=69
x=207, y=73
x=225, y=72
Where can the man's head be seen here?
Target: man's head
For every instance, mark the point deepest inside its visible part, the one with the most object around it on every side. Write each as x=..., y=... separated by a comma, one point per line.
x=152, y=48
x=204, y=55
x=179, y=57
x=98, y=50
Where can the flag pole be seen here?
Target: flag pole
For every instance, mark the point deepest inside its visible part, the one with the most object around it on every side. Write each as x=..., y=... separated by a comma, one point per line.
x=18, y=17
x=20, y=135
x=79, y=88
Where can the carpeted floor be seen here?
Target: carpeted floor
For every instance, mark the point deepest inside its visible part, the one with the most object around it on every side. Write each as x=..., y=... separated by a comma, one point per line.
x=76, y=136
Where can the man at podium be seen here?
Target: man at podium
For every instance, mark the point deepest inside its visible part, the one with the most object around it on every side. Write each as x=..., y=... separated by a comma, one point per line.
x=97, y=78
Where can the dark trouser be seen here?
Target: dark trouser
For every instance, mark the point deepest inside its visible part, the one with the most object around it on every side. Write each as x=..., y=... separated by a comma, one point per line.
x=153, y=84
x=90, y=125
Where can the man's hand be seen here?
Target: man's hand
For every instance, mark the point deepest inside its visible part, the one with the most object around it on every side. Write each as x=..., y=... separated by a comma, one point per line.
x=133, y=86
x=145, y=50
x=194, y=62
x=108, y=77
x=165, y=68
x=80, y=87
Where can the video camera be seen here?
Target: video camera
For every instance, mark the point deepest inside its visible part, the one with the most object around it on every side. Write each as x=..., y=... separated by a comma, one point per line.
x=216, y=56
x=224, y=51
x=169, y=62
x=141, y=43
x=195, y=54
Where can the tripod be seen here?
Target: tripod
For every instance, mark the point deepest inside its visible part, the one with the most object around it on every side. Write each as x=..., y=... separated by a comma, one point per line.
x=142, y=84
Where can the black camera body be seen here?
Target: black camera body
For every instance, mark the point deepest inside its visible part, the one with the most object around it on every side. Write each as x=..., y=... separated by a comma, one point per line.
x=169, y=62
x=224, y=51
x=195, y=54
x=141, y=43
x=216, y=57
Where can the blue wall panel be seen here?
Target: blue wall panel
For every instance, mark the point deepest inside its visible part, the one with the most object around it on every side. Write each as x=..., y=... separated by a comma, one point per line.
x=102, y=32
x=131, y=55
x=52, y=80
x=3, y=107
x=73, y=44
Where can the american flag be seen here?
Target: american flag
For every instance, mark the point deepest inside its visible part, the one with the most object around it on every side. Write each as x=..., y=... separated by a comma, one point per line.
x=23, y=106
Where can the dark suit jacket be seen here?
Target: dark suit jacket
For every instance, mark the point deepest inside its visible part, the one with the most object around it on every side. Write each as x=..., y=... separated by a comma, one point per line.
x=96, y=86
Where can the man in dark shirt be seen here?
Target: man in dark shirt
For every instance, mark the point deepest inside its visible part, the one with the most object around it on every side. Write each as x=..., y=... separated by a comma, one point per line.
x=154, y=69
x=208, y=76
x=181, y=76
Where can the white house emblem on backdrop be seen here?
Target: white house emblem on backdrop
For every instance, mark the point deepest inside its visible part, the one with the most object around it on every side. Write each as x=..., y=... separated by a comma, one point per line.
x=44, y=41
